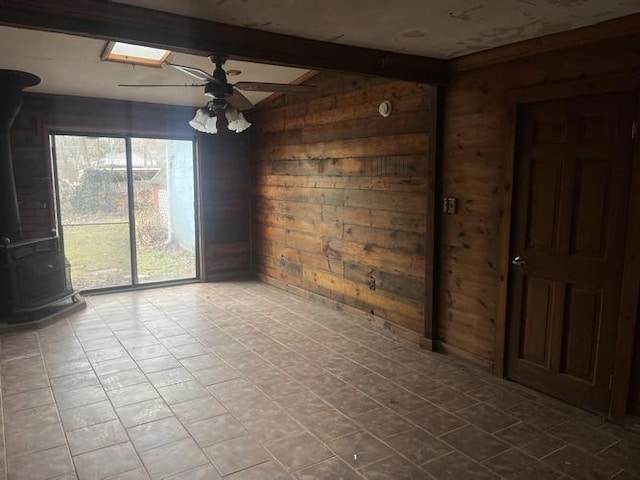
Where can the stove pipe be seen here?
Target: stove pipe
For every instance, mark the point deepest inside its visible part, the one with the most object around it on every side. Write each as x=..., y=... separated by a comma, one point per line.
x=11, y=84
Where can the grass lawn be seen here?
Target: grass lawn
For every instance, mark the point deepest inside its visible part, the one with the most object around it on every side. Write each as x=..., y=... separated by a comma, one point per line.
x=100, y=257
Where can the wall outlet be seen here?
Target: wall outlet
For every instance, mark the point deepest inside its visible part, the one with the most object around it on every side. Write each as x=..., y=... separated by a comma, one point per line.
x=449, y=205
x=372, y=284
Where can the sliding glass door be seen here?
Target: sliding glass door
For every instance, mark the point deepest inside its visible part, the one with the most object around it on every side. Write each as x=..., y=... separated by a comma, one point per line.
x=126, y=209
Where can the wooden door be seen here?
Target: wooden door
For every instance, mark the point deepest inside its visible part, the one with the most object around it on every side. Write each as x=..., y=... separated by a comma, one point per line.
x=571, y=196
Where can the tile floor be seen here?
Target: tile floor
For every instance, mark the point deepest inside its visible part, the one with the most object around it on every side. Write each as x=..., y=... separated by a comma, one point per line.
x=243, y=381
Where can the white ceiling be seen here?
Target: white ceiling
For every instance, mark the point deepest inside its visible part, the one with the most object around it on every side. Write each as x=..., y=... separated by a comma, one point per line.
x=439, y=28
x=70, y=65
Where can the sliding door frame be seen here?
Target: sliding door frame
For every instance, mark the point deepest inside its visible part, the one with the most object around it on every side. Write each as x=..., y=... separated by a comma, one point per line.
x=133, y=261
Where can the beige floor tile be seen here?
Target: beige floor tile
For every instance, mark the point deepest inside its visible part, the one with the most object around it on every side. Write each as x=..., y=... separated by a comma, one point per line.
x=32, y=418
x=104, y=354
x=176, y=340
x=107, y=462
x=74, y=381
x=68, y=368
x=157, y=364
x=169, y=377
x=382, y=422
x=359, y=449
x=295, y=376
x=579, y=464
x=418, y=446
x=513, y=464
x=151, y=351
x=143, y=412
x=24, y=384
x=216, y=429
x=87, y=415
x=396, y=468
x=80, y=397
x=350, y=401
x=137, y=474
x=127, y=378
x=237, y=454
x=270, y=470
x=181, y=392
x=23, y=401
x=233, y=390
x=449, y=399
x=299, y=451
x=187, y=351
x=271, y=426
x=34, y=439
x=97, y=436
x=173, y=458
x=204, y=472
x=108, y=367
x=42, y=465
x=200, y=362
x=474, y=442
x=158, y=433
x=329, y=424
x=456, y=466
x=198, y=409
x=537, y=415
x=487, y=418
x=140, y=392
x=584, y=437
x=331, y=469
x=373, y=384
x=216, y=374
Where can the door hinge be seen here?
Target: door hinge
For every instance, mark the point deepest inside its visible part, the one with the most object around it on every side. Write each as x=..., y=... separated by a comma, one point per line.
x=634, y=128
x=610, y=382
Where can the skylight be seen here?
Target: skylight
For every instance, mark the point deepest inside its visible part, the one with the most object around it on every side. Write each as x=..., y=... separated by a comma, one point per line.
x=136, y=54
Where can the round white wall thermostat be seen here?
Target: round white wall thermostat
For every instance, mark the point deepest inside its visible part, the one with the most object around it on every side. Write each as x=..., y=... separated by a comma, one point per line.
x=385, y=108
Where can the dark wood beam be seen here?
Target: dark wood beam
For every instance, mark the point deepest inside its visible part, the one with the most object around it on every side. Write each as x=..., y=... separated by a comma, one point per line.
x=114, y=21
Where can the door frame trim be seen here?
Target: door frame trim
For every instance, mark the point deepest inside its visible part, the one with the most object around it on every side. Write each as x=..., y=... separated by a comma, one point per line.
x=627, y=317
x=49, y=131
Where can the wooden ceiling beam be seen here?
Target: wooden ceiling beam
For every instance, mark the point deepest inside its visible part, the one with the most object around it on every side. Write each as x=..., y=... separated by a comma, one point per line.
x=114, y=21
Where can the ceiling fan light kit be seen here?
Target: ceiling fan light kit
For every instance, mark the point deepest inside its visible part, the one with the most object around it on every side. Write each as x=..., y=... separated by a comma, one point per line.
x=203, y=122
x=225, y=95
x=206, y=119
x=236, y=120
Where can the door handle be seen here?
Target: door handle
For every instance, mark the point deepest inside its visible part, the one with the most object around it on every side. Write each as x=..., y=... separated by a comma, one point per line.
x=518, y=261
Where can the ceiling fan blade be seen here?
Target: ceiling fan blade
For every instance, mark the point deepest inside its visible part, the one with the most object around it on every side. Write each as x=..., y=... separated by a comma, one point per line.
x=154, y=85
x=274, y=87
x=239, y=101
x=194, y=72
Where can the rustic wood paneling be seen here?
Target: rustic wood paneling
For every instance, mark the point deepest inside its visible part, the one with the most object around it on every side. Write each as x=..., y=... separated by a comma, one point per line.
x=634, y=391
x=477, y=162
x=340, y=194
x=223, y=167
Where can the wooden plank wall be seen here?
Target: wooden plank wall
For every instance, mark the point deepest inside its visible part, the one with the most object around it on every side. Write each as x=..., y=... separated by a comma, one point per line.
x=476, y=155
x=219, y=159
x=339, y=194
x=634, y=391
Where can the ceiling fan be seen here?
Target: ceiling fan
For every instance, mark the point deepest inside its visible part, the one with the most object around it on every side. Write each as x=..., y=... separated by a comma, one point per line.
x=223, y=92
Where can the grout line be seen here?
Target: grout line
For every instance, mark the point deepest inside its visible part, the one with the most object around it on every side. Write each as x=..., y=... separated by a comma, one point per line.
x=236, y=335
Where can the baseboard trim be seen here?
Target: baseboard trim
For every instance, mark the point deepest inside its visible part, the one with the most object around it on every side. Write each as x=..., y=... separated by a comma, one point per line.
x=223, y=277
x=449, y=349
x=380, y=322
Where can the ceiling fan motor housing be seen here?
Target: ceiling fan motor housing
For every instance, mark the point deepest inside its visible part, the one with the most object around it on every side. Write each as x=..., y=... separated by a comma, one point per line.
x=218, y=90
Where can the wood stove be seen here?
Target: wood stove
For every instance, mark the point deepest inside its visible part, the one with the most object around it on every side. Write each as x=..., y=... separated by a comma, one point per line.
x=34, y=274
